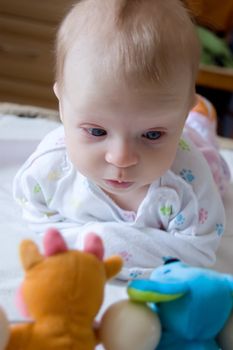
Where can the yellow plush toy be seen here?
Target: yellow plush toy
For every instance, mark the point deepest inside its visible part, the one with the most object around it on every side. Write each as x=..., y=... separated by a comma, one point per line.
x=62, y=292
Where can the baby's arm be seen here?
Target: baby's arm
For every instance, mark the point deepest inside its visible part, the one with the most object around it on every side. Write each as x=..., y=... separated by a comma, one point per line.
x=141, y=247
x=144, y=248
x=36, y=211
x=37, y=188
x=192, y=219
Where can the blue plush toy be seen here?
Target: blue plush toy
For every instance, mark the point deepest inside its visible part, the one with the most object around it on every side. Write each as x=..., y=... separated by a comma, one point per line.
x=193, y=304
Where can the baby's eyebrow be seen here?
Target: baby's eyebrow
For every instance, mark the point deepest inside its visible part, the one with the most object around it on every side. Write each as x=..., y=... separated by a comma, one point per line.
x=94, y=125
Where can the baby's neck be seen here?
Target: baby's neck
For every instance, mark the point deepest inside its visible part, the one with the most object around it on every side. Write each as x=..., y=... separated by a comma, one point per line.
x=130, y=201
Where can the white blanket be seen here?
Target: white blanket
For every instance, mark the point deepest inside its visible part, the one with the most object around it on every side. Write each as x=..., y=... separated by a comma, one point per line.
x=18, y=138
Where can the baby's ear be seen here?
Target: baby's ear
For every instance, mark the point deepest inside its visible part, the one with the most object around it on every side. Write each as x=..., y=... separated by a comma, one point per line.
x=196, y=100
x=56, y=92
x=55, y=89
x=29, y=254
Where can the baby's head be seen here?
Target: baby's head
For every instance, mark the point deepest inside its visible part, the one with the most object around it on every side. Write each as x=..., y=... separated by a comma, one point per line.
x=125, y=80
x=141, y=42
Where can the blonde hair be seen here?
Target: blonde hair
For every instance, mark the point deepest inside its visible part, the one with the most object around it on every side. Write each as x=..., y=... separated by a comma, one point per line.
x=140, y=40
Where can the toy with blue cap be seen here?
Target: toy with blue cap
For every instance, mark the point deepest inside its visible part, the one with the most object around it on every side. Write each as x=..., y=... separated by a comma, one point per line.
x=193, y=305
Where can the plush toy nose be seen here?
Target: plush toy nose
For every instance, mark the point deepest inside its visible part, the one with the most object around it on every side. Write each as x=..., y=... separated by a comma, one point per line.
x=170, y=260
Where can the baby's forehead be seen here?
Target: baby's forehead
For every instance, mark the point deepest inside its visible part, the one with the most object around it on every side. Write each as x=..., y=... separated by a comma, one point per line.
x=85, y=78
x=106, y=97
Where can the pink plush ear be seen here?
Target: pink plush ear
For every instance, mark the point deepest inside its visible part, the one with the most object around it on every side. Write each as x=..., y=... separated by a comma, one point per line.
x=93, y=245
x=54, y=242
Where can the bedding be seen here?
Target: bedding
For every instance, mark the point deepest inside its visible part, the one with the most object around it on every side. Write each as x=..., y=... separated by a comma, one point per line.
x=18, y=139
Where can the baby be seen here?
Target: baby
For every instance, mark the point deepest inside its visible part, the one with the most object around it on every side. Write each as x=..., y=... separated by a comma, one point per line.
x=131, y=162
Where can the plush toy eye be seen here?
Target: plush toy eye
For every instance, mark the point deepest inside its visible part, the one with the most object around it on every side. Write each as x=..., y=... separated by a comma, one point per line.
x=170, y=260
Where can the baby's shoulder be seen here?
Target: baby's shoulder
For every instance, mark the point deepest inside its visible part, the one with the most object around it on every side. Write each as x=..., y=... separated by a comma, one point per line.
x=191, y=166
x=49, y=154
x=53, y=141
x=48, y=172
x=188, y=157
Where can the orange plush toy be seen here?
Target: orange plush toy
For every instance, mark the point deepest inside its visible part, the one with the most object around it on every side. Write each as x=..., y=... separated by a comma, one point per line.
x=61, y=293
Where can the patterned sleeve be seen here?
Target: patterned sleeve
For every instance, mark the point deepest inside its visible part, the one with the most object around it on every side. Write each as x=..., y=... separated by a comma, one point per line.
x=208, y=211
x=30, y=194
x=35, y=189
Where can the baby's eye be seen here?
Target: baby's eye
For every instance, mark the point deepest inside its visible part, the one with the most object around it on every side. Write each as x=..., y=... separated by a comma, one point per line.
x=96, y=132
x=152, y=135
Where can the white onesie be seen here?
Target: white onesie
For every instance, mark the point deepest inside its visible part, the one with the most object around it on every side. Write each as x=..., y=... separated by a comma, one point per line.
x=181, y=216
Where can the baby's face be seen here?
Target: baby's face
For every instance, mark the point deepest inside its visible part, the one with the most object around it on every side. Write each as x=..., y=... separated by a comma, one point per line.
x=122, y=139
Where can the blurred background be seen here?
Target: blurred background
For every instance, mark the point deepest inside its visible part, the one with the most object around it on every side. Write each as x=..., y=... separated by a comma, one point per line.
x=27, y=34
x=214, y=21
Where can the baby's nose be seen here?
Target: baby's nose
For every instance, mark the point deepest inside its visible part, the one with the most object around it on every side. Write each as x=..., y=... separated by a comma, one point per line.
x=122, y=155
